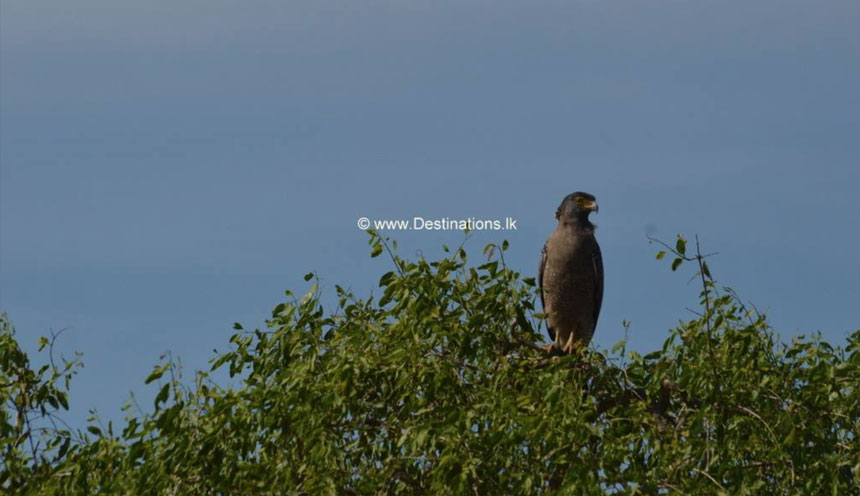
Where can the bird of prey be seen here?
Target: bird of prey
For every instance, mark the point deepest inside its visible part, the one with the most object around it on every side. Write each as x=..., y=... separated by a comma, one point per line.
x=571, y=275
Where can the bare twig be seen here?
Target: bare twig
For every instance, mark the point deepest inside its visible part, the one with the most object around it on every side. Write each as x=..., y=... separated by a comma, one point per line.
x=54, y=336
x=700, y=259
x=710, y=478
x=384, y=241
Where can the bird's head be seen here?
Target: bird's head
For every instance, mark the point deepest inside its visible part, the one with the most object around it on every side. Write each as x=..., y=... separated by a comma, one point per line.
x=575, y=207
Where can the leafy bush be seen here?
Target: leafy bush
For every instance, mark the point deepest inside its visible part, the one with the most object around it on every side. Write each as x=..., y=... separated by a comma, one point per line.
x=437, y=387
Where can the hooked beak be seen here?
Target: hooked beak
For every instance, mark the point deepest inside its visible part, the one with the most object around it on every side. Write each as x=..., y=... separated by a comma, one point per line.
x=590, y=206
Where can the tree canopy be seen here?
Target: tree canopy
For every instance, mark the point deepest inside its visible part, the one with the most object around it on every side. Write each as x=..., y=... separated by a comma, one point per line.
x=438, y=386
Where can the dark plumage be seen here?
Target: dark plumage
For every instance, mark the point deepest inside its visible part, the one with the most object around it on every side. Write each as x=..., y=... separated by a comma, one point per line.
x=571, y=275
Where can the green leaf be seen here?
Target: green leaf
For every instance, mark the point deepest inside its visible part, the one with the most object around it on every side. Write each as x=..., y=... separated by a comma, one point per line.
x=661, y=254
x=681, y=245
x=310, y=295
x=282, y=310
x=64, y=448
x=376, y=250
x=161, y=397
x=386, y=278
x=676, y=263
x=156, y=373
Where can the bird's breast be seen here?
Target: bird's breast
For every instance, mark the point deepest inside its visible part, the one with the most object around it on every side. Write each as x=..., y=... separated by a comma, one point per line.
x=566, y=252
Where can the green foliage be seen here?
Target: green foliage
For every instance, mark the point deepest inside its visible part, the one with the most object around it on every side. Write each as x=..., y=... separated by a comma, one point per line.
x=33, y=439
x=435, y=386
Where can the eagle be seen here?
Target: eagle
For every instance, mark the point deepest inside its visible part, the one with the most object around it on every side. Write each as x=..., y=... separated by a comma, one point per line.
x=570, y=276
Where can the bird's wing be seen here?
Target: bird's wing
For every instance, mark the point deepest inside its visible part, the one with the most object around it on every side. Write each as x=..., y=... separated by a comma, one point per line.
x=540, y=286
x=597, y=261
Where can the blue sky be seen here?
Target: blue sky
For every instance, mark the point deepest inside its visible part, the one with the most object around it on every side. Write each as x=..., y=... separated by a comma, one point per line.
x=167, y=169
